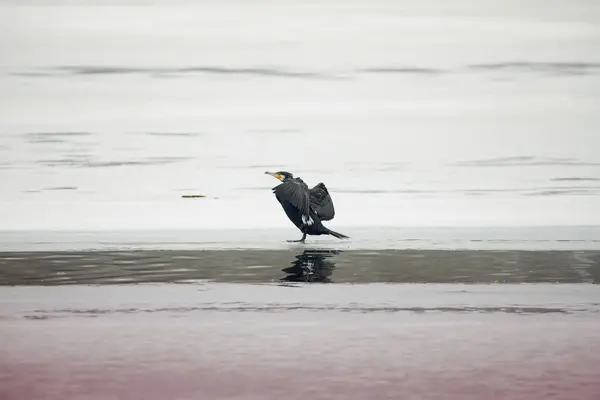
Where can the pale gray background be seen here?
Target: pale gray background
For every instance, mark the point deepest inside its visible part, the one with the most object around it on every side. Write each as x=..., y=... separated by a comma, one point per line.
x=413, y=113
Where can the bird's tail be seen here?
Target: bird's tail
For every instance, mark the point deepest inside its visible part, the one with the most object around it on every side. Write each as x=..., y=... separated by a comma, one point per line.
x=337, y=234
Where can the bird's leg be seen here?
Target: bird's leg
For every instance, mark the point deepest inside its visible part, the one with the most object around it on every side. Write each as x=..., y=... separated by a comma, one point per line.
x=299, y=241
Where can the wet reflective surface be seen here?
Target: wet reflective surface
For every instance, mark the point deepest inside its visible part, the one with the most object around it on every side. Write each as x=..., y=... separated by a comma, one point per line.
x=266, y=324
x=304, y=264
x=312, y=266
x=459, y=314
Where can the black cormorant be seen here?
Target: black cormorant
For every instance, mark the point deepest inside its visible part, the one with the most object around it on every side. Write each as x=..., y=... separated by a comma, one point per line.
x=305, y=207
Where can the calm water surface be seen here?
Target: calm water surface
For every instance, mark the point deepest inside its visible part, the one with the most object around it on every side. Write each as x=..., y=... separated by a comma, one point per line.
x=264, y=323
x=236, y=341
x=429, y=115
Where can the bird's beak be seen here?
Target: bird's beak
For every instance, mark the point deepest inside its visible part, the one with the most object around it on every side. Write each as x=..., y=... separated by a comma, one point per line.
x=273, y=174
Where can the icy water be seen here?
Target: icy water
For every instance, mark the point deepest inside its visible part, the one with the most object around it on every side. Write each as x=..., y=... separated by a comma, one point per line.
x=150, y=321
x=413, y=113
x=459, y=141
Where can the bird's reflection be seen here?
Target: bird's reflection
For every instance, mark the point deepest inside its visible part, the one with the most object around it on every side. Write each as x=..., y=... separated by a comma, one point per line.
x=314, y=265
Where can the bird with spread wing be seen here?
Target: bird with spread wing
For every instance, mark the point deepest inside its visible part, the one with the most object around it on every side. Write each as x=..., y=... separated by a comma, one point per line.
x=305, y=207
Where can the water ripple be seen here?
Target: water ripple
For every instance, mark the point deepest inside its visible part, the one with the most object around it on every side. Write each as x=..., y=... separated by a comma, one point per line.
x=565, y=68
x=278, y=308
x=83, y=162
x=308, y=265
x=170, y=71
x=404, y=70
x=574, y=68
x=520, y=161
x=575, y=179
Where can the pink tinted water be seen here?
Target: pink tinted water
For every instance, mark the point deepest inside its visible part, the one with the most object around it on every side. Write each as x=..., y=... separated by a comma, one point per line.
x=61, y=344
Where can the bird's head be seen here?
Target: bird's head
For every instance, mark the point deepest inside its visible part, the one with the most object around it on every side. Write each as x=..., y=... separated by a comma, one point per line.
x=281, y=175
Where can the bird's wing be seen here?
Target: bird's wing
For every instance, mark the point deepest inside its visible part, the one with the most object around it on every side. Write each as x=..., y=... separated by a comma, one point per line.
x=296, y=193
x=321, y=203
